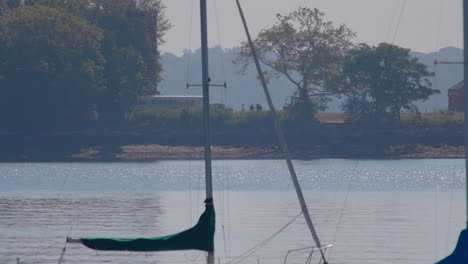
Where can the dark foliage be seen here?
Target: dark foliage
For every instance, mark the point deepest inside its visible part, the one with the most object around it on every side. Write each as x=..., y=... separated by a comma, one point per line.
x=386, y=80
x=71, y=63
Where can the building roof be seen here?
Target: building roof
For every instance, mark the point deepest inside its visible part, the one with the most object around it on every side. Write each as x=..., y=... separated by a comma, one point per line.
x=458, y=86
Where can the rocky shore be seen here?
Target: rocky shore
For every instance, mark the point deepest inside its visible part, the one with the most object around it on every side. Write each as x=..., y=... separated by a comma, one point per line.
x=315, y=141
x=154, y=152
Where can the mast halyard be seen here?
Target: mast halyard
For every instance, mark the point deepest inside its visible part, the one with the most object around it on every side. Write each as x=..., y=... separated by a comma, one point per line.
x=206, y=110
x=465, y=74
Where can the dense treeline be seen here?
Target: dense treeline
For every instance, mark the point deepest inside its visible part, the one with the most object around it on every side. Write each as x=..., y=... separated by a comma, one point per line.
x=70, y=63
x=84, y=63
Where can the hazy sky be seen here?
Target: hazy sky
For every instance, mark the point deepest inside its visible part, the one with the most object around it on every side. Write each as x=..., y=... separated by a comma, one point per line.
x=424, y=25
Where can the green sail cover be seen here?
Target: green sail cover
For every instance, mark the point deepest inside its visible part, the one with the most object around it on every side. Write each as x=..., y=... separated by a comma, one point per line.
x=199, y=237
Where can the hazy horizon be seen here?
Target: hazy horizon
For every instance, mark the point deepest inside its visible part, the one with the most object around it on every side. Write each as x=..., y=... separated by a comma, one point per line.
x=420, y=25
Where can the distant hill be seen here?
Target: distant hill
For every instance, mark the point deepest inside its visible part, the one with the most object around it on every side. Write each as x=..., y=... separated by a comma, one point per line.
x=246, y=89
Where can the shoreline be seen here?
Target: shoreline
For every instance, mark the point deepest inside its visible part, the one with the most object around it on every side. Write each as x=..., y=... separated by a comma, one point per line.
x=314, y=141
x=155, y=152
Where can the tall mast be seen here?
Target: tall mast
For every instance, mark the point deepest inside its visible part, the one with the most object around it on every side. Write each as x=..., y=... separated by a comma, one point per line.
x=465, y=84
x=206, y=108
x=206, y=100
x=281, y=138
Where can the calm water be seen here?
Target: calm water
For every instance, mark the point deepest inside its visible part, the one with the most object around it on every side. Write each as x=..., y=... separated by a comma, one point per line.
x=375, y=211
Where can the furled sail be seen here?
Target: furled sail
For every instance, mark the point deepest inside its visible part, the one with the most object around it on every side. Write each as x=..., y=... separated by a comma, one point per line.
x=460, y=254
x=199, y=237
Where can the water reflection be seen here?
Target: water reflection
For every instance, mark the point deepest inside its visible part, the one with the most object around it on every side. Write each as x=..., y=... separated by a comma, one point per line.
x=35, y=227
x=236, y=174
x=371, y=210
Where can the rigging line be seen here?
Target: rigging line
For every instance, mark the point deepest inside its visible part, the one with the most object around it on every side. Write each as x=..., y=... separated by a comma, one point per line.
x=62, y=255
x=341, y=209
x=254, y=249
x=224, y=210
x=438, y=30
x=219, y=39
x=331, y=215
x=437, y=43
x=189, y=55
x=192, y=256
x=194, y=181
x=228, y=183
x=392, y=21
x=220, y=167
x=190, y=194
x=340, y=218
x=64, y=249
x=402, y=11
x=309, y=258
x=226, y=207
x=449, y=222
x=59, y=197
x=224, y=242
x=223, y=59
x=226, y=102
x=435, y=224
x=201, y=175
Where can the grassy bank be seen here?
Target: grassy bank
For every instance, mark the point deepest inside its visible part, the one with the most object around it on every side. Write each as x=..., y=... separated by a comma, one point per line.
x=309, y=140
x=435, y=118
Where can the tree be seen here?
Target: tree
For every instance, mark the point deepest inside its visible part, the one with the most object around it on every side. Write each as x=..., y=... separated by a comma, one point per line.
x=386, y=80
x=157, y=23
x=7, y=5
x=307, y=50
x=129, y=34
x=132, y=30
x=51, y=68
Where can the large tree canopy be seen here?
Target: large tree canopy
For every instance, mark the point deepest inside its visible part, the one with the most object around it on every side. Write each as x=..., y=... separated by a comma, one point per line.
x=78, y=59
x=386, y=80
x=8, y=5
x=305, y=48
x=132, y=31
x=50, y=66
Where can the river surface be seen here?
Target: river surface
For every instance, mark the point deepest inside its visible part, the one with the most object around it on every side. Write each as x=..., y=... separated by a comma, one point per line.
x=372, y=211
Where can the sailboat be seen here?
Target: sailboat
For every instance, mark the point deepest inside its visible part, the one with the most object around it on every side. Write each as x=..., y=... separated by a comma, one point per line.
x=460, y=254
x=201, y=236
